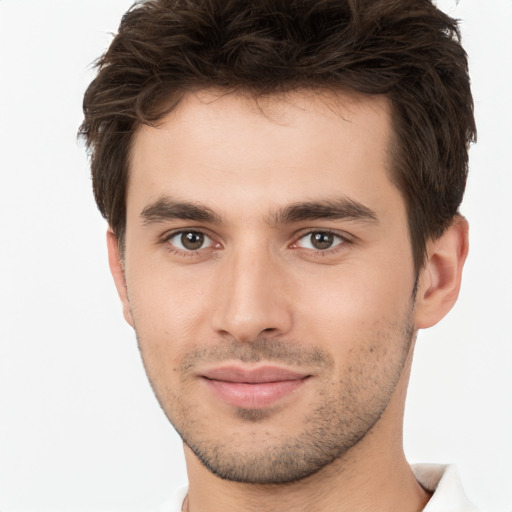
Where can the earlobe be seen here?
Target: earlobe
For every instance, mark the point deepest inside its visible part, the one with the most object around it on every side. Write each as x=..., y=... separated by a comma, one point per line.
x=440, y=279
x=116, y=268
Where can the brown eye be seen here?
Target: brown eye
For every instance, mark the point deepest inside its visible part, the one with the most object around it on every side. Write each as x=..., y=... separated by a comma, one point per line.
x=320, y=240
x=190, y=240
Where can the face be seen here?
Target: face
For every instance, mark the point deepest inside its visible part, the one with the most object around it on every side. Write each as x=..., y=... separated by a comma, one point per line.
x=269, y=277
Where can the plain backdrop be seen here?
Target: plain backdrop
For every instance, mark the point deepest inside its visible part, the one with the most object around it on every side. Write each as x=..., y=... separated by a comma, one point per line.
x=79, y=427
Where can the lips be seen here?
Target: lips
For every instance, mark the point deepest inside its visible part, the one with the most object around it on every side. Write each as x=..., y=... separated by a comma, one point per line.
x=253, y=388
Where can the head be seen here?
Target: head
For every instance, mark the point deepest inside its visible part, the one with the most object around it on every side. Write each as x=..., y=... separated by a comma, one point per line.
x=282, y=182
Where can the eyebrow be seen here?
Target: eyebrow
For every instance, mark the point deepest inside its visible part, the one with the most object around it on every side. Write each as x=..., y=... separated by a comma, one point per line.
x=166, y=208
x=344, y=208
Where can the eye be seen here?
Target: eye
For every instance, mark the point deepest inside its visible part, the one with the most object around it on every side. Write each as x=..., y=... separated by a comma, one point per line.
x=190, y=240
x=320, y=240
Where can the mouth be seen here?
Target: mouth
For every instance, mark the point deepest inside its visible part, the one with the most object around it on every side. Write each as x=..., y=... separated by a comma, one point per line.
x=255, y=388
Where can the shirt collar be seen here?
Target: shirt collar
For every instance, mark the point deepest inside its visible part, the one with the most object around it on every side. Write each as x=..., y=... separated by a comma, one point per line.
x=444, y=482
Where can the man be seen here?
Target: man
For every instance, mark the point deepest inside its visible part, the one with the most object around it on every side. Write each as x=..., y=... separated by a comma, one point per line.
x=282, y=181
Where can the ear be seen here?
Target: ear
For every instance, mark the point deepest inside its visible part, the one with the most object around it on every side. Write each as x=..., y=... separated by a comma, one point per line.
x=440, y=279
x=117, y=270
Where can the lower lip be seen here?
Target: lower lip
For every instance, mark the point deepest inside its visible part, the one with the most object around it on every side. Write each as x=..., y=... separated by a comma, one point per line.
x=253, y=396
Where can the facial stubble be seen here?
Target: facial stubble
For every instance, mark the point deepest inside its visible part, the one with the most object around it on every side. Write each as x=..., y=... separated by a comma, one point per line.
x=345, y=411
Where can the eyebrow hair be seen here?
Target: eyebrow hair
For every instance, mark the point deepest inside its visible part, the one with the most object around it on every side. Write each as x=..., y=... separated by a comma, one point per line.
x=338, y=209
x=166, y=208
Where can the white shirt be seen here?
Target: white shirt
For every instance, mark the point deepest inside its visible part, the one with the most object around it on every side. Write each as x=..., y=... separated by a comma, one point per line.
x=443, y=481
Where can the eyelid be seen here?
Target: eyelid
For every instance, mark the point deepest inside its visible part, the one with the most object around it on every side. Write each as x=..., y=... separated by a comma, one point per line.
x=344, y=237
x=168, y=235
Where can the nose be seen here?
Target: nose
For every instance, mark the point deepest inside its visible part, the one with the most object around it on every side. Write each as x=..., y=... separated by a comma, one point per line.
x=252, y=299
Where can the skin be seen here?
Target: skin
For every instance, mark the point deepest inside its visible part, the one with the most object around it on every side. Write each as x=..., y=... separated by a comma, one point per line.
x=257, y=291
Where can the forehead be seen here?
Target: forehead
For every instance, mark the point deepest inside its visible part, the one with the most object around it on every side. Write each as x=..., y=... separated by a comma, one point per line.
x=223, y=149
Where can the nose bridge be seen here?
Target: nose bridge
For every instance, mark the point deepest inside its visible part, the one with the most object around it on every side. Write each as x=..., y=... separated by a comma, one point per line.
x=252, y=298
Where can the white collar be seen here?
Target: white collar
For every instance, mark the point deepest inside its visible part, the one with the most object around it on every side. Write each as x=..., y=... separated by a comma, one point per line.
x=444, y=482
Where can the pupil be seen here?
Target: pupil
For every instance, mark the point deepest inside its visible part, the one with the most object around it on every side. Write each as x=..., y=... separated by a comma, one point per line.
x=322, y=240
x=192, y=240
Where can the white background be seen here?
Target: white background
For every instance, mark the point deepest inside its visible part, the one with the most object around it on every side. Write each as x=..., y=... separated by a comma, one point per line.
x=79, y=427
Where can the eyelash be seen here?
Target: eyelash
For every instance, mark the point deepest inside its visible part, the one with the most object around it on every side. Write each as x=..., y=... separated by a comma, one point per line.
x=344, y=240
x=166, y=239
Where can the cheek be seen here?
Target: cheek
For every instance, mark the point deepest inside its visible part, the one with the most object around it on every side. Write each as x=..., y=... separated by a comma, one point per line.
x=355, y=297
x=168, y=308
x=363, y=321
x=166, y=322
x=367, y=329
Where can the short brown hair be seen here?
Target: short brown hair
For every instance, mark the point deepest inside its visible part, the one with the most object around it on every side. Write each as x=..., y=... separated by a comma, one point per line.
x=407, y=50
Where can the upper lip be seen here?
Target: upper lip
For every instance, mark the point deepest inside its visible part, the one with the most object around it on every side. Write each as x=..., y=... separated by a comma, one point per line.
x=259, y=375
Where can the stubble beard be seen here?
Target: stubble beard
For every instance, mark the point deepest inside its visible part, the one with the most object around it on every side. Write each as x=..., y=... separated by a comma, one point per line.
x=346, y=410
